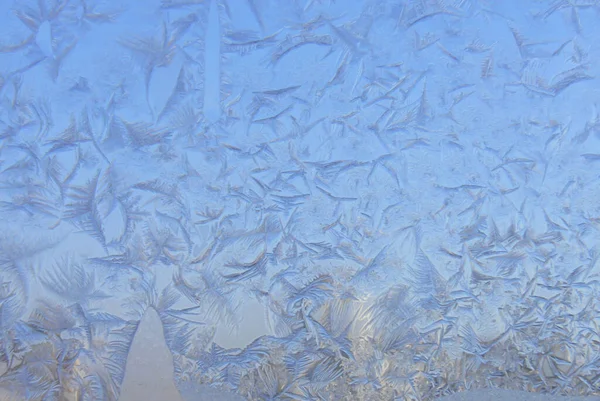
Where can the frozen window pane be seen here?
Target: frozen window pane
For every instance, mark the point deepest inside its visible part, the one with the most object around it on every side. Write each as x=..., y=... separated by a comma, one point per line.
x=304, y=199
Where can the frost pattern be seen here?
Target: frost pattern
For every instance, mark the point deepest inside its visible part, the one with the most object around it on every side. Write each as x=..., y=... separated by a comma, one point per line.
x=407, y=189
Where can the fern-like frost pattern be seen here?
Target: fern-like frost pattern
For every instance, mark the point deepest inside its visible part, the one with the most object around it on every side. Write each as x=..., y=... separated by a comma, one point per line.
x=319, y=199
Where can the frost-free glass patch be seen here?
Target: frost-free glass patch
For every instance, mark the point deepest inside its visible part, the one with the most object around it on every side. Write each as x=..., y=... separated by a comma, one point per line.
x=298, y=200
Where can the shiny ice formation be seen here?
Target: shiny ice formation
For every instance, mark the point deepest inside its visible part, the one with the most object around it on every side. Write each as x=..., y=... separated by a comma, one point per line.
x=365, y=200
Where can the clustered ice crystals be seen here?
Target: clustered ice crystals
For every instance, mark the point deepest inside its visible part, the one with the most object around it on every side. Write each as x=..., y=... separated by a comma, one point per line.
x=406, y=188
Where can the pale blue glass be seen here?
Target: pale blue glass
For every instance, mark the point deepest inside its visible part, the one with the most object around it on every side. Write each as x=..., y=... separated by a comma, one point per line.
x=313, y=199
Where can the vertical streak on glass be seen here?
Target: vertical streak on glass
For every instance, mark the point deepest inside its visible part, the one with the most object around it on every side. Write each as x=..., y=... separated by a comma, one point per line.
x=212, y=71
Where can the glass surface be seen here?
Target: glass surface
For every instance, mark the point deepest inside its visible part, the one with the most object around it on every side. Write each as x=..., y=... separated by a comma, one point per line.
x=298, y=200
